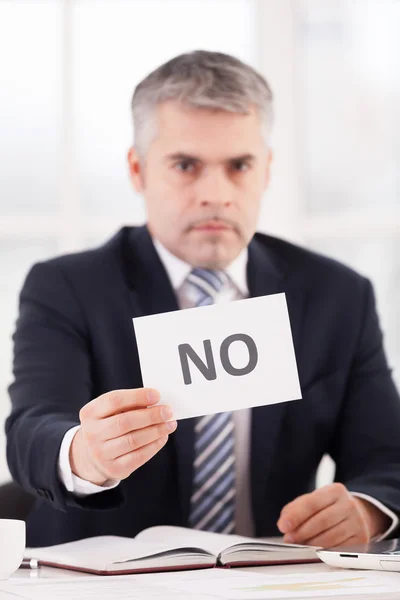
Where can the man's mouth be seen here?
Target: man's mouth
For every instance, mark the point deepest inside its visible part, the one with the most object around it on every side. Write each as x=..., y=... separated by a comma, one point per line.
x=213, y=226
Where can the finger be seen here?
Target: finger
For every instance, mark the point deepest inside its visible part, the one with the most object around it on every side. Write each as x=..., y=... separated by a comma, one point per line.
x=316, y=534
x=322, y=521
x=132, y=420
x=302, y=508
x=118, y=401
x=350, y=541
x=336, y=536
x=123, y=466
x=134, y=440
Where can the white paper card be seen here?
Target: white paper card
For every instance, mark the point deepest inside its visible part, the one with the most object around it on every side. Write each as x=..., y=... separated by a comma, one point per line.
x=221, y=357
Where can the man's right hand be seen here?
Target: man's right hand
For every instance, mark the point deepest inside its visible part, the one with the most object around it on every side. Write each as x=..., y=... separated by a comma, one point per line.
x=120, y=431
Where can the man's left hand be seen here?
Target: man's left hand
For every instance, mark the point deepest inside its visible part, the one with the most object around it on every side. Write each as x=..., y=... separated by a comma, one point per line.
x=331, y=516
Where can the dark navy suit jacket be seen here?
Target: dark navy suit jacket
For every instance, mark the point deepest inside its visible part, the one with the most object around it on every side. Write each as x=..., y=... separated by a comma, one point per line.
x=74, y=340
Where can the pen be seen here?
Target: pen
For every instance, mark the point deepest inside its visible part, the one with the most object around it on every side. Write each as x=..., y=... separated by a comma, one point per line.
x=29, y=563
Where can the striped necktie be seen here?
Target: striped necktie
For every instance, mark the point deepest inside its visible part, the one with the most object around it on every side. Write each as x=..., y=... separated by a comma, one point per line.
x=213, y=499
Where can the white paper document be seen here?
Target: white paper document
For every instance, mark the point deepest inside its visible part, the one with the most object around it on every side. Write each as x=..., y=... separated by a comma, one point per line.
x=209, y=584
x=221, y=357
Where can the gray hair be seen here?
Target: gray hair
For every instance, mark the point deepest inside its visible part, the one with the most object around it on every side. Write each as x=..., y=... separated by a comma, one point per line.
x=204, y=80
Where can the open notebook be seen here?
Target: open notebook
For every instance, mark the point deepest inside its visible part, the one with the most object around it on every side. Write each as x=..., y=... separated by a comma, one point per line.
x=168, y=549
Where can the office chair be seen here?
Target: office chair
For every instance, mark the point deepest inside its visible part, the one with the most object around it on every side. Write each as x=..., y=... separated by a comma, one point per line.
x=15, y=503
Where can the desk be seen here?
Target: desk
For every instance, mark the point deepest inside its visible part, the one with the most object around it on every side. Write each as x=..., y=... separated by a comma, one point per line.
x=47, y=575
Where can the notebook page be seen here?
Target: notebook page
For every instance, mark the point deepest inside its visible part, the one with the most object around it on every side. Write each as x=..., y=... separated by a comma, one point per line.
x=97, y=552
x=182, y=536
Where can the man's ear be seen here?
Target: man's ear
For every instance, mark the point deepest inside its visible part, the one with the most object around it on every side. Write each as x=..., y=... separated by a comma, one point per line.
x=270, y=157
x=135, y=170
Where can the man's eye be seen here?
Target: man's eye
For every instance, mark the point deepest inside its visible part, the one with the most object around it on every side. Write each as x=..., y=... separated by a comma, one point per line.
x=185, y=166
x=240, y=166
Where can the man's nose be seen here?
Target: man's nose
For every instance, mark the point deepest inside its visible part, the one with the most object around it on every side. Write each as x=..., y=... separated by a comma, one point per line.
x=213, y=188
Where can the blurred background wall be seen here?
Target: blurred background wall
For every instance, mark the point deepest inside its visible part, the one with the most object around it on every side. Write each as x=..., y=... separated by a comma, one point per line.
x=68, y=69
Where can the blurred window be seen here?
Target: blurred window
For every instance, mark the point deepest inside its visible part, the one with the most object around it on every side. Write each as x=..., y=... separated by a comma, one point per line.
x=67, y=75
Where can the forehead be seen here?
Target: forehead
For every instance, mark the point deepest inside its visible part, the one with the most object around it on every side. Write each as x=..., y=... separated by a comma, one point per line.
x=204, y=131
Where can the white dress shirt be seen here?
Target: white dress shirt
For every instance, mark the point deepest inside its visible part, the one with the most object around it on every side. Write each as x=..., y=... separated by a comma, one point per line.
x=237, y=289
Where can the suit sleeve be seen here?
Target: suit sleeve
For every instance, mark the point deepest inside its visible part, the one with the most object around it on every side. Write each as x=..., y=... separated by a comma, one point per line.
x=52, y=381
x=367, y=447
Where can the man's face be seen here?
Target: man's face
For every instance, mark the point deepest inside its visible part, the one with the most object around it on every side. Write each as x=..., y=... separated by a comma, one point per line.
x=203, y=178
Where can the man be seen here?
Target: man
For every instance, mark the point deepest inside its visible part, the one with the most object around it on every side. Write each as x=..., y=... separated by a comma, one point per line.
x=93, y=445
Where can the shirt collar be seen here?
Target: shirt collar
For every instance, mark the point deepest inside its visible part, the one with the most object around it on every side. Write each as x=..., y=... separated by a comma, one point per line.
x=178, y=269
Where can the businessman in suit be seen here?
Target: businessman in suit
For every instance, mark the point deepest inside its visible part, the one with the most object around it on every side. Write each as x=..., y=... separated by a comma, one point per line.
x=95, y=448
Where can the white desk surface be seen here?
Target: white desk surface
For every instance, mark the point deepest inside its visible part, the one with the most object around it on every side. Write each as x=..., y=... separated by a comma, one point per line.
x=48, y=574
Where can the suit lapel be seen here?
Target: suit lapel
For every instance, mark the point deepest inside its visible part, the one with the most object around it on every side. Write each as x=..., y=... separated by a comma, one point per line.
x=150, y=289
x=266, y=275
x=150, y=293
